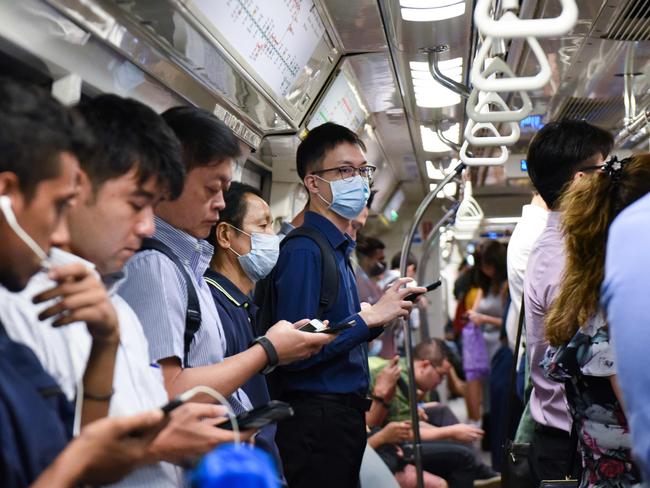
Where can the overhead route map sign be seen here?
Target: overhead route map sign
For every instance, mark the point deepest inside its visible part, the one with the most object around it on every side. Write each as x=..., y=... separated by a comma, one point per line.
x=341, y=105
x=276, y=38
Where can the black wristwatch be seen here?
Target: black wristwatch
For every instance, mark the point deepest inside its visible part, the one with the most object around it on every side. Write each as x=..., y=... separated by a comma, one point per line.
x=270, y=351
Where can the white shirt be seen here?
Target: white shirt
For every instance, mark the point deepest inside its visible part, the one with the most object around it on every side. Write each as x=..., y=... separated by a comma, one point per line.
x=64, y=352
x=527, y=230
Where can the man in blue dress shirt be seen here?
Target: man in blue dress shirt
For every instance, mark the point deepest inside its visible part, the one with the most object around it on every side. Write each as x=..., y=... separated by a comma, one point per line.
x=322, y=445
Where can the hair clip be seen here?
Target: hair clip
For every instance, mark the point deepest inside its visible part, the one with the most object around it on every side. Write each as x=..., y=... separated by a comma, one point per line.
x=613, y=167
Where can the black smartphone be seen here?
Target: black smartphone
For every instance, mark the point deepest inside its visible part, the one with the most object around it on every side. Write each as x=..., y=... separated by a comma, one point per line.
x=335, y=329
x=315, y=325
x=413, y=296
x=274, y=411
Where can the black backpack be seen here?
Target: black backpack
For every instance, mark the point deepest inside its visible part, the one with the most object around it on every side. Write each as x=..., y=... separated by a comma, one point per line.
x=193, y=313
x=265, y=294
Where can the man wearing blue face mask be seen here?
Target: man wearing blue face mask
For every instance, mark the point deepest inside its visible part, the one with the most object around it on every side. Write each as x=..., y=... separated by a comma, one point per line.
x=322, y=445
x=245, y=251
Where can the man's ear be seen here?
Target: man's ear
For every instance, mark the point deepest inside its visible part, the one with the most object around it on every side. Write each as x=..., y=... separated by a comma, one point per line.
x=222, y=235
x=310, y=184
x=8, y=183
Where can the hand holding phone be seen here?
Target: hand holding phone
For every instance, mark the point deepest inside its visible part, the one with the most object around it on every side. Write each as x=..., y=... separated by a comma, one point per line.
x=259, y=417
x=315, y=325
x=413, y=296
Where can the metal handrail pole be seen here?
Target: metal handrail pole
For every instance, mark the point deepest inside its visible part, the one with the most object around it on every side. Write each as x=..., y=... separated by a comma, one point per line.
x=406, y=248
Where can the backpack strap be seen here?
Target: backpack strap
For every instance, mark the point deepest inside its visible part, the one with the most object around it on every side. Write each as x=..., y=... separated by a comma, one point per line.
x=329, y=270
x=193, y=313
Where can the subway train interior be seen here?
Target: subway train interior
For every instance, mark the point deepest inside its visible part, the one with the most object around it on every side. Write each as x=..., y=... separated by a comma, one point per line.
x=505, y=140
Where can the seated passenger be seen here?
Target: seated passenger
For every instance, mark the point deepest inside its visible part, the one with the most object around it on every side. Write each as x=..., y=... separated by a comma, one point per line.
x=581, y=356
x=559, y=154
x=245, y=251
x=386, y=442
x=165, y=284
x=41, y=142
x=446, y=450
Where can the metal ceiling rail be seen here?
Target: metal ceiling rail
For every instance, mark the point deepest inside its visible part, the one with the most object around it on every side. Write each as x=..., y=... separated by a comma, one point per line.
x=433, y=55
x=641, y=120
x=406, y=248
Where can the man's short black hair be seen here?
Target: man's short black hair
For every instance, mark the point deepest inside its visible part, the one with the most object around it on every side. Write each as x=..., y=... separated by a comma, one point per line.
x=397, y=259
x=129, y=136
x=205, y=139
x=321, y=139
x=367, y=245
x=34, y=130
x=236, y=206
x=558, y=151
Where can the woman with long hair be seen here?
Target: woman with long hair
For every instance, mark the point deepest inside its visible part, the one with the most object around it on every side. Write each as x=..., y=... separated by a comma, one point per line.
x=481, y=334
x=580, y=354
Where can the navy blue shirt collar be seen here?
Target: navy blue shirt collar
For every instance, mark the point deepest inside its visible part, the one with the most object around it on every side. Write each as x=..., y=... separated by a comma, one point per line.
x=336, y=238
x=229, y=290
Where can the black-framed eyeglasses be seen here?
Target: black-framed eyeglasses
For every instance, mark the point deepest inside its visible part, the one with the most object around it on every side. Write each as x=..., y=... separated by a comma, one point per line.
x=596, y=167
x=348, y=172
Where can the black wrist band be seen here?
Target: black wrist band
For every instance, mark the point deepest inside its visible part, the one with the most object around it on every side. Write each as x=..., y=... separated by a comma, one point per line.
x=383, y=402
x=270, y=351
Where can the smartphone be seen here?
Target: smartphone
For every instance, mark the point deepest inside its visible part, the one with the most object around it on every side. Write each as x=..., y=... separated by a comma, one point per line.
x=413, y=296
x=315, y=325
x=259, y=417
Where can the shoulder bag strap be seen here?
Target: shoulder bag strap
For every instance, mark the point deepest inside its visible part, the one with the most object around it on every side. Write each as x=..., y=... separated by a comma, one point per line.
x=193, y=313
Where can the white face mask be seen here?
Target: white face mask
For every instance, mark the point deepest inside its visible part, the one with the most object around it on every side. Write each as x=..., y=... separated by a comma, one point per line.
x=10, y=217
x=265, y=249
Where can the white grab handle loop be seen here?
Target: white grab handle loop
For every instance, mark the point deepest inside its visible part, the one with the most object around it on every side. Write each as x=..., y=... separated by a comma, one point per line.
x=495, y=140
x=481, y=81
x=483, y=161
x=509, y=25
x=479, y=110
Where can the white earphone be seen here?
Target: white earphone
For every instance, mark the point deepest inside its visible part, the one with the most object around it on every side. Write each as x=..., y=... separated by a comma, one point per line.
x=10, y=217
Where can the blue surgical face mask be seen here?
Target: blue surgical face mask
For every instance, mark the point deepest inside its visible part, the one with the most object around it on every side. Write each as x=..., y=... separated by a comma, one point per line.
x=374, y=348
x=348, y=197
x=265, y=249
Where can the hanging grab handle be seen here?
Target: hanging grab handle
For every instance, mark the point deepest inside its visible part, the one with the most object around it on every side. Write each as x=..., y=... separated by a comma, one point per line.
x=509, y=25
x=483, y=161
x=475, y=109
x=482, y=82
x=495, y=140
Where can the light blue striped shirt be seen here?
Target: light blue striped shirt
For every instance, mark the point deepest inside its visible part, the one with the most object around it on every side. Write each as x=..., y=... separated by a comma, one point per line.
x=157, y=291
